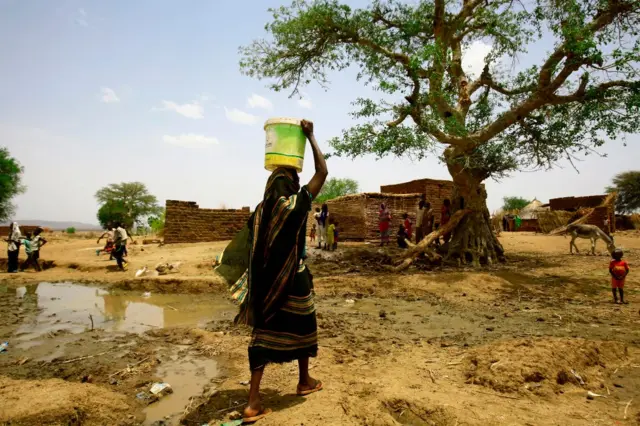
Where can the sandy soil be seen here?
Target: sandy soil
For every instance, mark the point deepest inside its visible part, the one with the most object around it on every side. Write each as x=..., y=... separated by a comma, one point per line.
x=516, y=344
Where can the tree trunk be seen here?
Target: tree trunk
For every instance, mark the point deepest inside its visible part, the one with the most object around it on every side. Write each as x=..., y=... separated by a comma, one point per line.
x=472, y=240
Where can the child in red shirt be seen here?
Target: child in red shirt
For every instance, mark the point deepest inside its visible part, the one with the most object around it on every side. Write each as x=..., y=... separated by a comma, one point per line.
x=407, y=225
x=619, y=269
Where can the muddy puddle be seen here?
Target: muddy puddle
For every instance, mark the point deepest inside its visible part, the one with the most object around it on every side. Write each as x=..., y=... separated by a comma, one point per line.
x=47, y=308
x=188, y=377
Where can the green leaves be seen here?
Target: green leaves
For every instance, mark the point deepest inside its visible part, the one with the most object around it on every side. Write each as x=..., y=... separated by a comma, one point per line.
x=514, y=203
x=10, y=183
x=127, y=202
x=584, y=91
x=337, y=187
x=627, y=186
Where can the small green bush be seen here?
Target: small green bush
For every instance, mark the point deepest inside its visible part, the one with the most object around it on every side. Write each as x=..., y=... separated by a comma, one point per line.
x=71, y=230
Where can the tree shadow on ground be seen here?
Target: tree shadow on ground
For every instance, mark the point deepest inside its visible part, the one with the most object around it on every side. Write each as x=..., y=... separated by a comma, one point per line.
x=216, y=409
x=548, y=289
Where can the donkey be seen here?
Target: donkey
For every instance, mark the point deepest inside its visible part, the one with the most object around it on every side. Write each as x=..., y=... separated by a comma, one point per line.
x=590, y=232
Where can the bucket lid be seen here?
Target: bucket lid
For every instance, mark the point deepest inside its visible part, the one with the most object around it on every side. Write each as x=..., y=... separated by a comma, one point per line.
x=283, y=120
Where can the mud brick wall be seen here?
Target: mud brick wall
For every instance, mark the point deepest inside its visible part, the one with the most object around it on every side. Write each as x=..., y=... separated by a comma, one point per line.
x=436, y=191
x=357, y=215
x=185, y=222
x=4, y=230
x=598, y=217
x=349, y=212
x=397, y=205
x=575, y=203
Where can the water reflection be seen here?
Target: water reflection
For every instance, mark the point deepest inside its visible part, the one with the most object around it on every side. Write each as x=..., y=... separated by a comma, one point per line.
x=68, y=307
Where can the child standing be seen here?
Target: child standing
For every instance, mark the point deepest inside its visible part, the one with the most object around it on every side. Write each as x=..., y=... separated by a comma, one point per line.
x=312, y=235
x=33, y=254
x=619, y=269
x=407, y=225
x=330, y=235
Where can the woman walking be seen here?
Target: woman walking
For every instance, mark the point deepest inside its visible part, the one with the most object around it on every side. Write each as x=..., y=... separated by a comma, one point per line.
x=276, y=290
x=384, y=217
x=13, y=248
x=323, y=223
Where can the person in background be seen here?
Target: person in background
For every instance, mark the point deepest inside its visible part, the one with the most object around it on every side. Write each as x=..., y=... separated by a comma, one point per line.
x=384, y=222
x=323, y=222
x=35, y=244
x=419, y=221
x=518, y=222
x=445, y=216
x=427, y=220
x=401, y=237
x=619, y=269
x=13, y=247
x=505, y=223
x=408, y=226
x=331, y=229
x=26, y=242
x=108, y=247
x=335, y=235
x=120, y=246
x=312, y=234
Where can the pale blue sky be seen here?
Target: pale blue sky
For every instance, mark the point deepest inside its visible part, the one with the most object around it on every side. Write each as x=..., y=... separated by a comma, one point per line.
x=97, y=92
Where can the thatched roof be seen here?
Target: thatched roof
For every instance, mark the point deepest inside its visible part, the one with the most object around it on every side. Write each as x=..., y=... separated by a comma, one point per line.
x=531, y=210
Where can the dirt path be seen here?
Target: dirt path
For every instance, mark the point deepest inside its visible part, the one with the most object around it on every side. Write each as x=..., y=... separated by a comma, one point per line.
x=519, y=344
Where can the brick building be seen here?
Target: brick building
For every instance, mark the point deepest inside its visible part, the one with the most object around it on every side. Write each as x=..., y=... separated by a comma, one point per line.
x=436, y=191
x=357, y=215
x=185, y=222
x=601, y=213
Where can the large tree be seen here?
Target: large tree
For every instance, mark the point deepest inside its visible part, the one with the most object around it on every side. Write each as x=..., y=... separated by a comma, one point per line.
x=514, y=203
x=627, y=187
x=10, y=183
x=585, y=89
x=337, y=187
x=128, y=202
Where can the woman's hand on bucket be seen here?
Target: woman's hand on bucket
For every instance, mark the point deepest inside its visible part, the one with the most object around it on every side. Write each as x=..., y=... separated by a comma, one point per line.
x=307, y=128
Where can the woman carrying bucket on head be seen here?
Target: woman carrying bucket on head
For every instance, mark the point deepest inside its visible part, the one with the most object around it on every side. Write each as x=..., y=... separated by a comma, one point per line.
x=275, y=291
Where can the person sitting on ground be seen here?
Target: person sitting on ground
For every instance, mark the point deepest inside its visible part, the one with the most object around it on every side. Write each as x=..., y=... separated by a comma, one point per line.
x=402, y=237
x=120, y=246
x=312, y=234
x=619, y=269
x=408, y=225
x=330, y=235
x=335, y=235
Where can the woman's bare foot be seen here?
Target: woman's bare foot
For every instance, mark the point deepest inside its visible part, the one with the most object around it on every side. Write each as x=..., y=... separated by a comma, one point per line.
x=309, y=385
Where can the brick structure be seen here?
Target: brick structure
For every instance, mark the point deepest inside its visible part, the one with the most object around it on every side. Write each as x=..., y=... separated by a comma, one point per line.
x=357, y=215
x=572, y=204
x=435, y=191
x=185, y=222
x=600, y=212
x=24, y=229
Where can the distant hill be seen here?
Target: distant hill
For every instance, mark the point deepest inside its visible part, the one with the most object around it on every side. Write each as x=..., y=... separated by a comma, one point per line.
x=56, y=225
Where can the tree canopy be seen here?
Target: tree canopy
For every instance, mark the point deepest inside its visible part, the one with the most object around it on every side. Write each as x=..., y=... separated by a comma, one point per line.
x=10, y=183
x=337, y=187
x=156, y=223
x=585, y=89
x=127, y=202
x=514, y=203
x=627, y=186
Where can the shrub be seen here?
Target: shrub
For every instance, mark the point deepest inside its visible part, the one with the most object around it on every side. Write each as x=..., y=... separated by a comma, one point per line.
x=71, y=230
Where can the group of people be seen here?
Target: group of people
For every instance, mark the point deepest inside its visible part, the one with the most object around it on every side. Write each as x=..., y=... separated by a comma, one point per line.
x=425, y=223
x=32, y=243
x=325, y=229
x=116, y=244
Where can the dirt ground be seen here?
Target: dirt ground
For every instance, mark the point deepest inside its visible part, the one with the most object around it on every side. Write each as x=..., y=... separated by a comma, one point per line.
x=516, y=344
